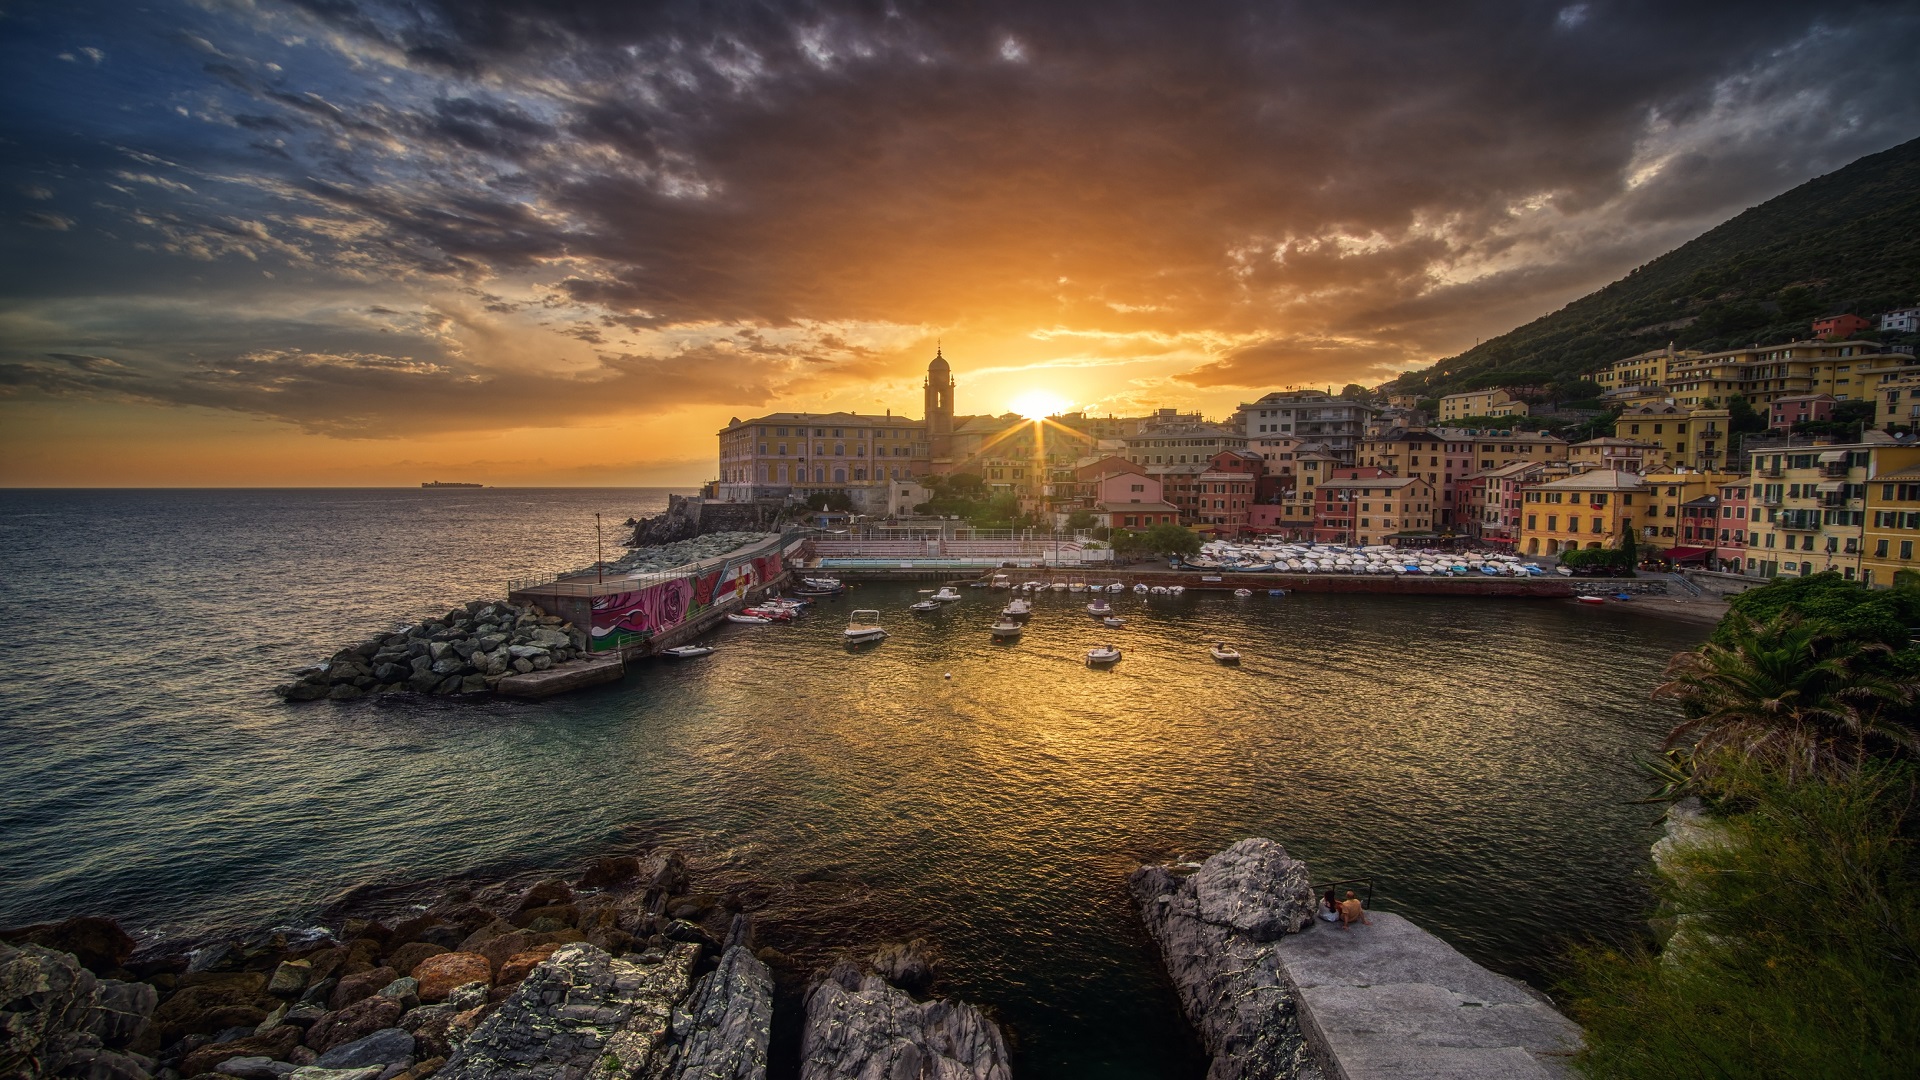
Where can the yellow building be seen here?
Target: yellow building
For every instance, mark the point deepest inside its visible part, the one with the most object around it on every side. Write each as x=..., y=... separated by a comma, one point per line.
x=1646, y=370
x=1659, y=522
x=1810, y=508
x=1892, y=529
x=1625, y=455
x=1897, y=403
x=1498, y=401
x=1377, y=510
x=1849, y=370
x=1586, y=510
x=1694, y=436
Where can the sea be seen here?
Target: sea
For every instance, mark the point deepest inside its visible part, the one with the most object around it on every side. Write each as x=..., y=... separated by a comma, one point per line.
x=1474, y=763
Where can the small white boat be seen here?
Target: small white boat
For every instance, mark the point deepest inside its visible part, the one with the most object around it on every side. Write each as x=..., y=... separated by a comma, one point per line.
x=1113, y=622
x=1105, y=654
x=687, y=652
x=1034, y=586
x=1225, y=653
x=1001, y=581
x=1158, y=590
x=863, y=626
x=1076, y=586
x=1099, y=607
x=947, y=594
x=1140, y=590
x=1117, y=587
x=750, y=620
x=1176, y=590
x=1006, y=628
x=1243, y=593
x=1590, y=599
x=1017, y=609
x=1059, y=586
x=925, y=606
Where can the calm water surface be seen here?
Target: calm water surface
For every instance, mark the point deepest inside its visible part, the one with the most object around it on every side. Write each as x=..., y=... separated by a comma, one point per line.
x=1476, y=758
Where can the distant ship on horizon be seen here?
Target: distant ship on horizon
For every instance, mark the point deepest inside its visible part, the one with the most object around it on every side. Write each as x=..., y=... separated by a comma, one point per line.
x=443, y=483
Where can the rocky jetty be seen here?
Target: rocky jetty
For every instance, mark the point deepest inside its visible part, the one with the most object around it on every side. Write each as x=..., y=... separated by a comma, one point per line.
x=655, y=559
x=861, y=1027
x=687, y=517
x=590, y=978
x=1217, y=929
x=467, y=651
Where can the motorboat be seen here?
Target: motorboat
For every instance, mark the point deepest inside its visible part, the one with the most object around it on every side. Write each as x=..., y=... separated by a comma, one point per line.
x=1176, y=590
x=863, y=626
x=1590, y=599
x=1158, y=590
x=1105, y=654
x=1225, y=653
x=925, y=606
x=1099, y=607
x=1243, y=593
x=1006, y=628
x=1017, y=609
x=1034, y=586
x=749, y=620
x=771, y=614
x=1140, y=589
x=1002, y=581
x=687, y=652
x=976, y=584
x=1276, y=592
x=947, y=594
x=1117, y=587
x=821, y=586
x=1113, y=622
x=1076, y=586
x=1059, y=586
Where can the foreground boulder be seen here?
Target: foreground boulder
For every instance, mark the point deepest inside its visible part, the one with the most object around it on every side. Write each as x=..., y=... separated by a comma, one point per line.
x=722, y=1031
x=582, y=1013
x=861, y=1028
x=1216, y=930
x=58, y=1020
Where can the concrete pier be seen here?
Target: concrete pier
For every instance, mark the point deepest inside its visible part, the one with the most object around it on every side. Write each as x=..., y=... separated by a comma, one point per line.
x=1389, y=1001
x=561, y=678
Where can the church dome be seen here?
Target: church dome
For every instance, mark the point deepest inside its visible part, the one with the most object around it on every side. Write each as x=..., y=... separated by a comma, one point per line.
x=939, y=364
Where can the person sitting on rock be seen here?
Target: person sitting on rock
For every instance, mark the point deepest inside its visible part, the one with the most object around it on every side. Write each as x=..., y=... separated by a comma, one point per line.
x=1330, y=906
x=1351, y=912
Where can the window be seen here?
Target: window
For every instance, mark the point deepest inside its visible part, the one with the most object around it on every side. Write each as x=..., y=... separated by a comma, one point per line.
x=1906, y=551
x=1880, y=549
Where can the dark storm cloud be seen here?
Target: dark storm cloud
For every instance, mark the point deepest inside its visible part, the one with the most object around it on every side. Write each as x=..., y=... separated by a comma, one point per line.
x=1336, y=190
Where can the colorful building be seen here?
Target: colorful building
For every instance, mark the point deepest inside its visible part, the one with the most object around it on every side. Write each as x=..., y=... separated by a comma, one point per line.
x=1590, y=509
x=1695, y=436
x=1892, y=530
x=1375, y=509
x=1335, y=423
x=1785, y=412
x=1810, y=505
x=1839, y=327
x=1661, y=523
x=1621, y=455
x=1500, y=401
x=783, y=455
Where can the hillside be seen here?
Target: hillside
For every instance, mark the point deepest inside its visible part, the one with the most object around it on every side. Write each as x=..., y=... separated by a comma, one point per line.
x=1846, y=241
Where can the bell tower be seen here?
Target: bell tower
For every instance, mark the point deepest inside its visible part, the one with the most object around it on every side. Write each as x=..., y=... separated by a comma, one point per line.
x=939, y=392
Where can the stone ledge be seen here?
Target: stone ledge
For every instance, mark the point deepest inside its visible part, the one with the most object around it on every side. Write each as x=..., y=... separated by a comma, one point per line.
x=561, y=678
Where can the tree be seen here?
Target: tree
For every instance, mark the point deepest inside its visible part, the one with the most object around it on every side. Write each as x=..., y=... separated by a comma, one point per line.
x=1745, y=419
x=1785, y=695
x=1080, y=519
x=1356, y=392
x=1165, y=539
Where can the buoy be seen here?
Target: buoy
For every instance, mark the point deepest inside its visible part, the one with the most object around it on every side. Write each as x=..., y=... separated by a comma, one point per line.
x=949, y=675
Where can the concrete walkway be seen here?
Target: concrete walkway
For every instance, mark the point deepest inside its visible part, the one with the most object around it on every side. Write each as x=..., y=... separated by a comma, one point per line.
x=1389, y=1001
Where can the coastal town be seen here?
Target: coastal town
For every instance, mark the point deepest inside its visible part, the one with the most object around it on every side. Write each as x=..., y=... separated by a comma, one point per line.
x=1793, y=459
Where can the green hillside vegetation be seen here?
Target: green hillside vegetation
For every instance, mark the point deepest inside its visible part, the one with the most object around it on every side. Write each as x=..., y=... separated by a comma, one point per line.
x=1844, y=242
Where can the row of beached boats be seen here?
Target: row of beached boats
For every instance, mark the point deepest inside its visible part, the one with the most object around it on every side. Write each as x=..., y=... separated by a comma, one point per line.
x=1233, y=557
x=1001, y=581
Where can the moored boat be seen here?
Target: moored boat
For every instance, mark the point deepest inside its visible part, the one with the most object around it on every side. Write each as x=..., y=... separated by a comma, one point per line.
x=749, y=620
x=687, y=652
x=947, y=594
x=1224, y=653
x=1103, y=655
x=1006, y=628
x=863, y=626
x=925, y=606
x=1243, y=593
x=1113, y=622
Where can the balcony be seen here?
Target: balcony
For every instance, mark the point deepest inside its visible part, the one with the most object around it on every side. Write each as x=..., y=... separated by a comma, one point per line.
x=1772, y=498
x=1772, y=472
x=1833, y=470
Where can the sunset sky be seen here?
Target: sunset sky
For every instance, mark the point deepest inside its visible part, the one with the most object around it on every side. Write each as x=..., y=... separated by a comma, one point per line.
x=282, y=242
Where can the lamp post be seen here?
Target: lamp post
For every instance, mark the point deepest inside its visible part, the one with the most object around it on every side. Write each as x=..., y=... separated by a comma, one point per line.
x=599, y=553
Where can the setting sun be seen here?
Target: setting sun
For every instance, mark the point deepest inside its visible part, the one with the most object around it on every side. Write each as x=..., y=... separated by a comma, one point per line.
x=1039, y=404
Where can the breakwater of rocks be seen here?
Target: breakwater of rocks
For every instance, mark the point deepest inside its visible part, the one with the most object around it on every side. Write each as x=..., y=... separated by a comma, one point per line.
x=662, y=557
x=467, y=651
x=621, y=971
x=688, y=516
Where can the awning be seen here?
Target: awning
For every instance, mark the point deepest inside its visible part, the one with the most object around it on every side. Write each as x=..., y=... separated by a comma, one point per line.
x=1685, y=554
x=1830, y=456
x=1832, y=485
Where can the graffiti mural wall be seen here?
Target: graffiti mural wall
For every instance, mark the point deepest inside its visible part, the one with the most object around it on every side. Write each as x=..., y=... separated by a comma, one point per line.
x=629, y=618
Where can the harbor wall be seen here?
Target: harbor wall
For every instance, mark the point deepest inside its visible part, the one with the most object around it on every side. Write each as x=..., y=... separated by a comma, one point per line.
x=1389, y=584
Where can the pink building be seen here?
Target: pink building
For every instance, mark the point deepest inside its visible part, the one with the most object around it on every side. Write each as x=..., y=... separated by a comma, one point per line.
x=1789, y=411
x=1498, y=498
x=1123, y=495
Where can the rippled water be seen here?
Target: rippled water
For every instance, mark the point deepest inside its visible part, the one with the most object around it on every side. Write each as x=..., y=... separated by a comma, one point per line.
x=1476, y=758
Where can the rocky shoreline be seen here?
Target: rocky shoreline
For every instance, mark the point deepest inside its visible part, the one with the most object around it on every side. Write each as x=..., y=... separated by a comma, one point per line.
x=622, y=973
x=467, y=651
